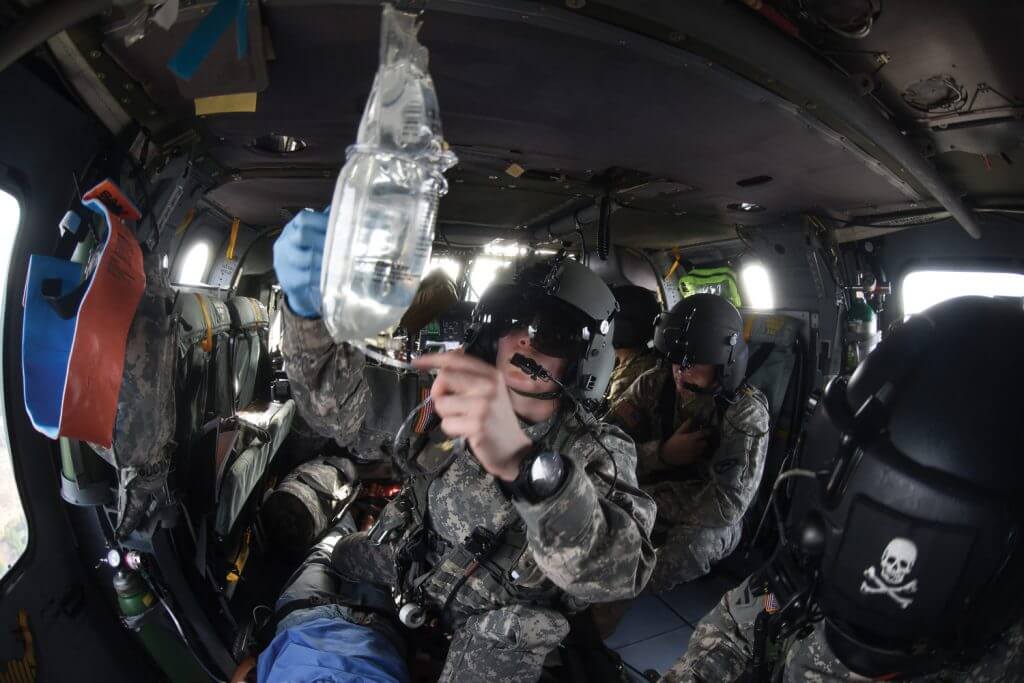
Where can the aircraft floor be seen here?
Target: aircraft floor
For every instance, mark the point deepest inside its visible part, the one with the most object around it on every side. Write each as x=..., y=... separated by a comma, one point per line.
x=656, y=629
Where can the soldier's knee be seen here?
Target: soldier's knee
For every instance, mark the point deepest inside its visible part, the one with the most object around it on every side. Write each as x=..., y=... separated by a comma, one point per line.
x=520, y=627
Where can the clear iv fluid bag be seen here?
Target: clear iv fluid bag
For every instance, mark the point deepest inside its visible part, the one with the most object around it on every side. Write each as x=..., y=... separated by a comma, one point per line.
x=381, y=224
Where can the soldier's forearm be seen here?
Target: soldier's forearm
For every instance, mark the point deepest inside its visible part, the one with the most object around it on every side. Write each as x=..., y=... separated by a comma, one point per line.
x=589, y=546
x=326, y=378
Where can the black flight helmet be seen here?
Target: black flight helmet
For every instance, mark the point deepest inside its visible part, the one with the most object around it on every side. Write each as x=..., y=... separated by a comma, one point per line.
x=634, y=324
x=909, y=541
x=705, y=329
x=567, y=310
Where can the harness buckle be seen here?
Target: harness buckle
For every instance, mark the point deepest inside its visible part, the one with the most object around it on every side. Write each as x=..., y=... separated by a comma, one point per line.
x=480, y=542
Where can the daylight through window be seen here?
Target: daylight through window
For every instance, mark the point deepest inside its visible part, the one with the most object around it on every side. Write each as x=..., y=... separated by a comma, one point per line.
x=13, y=524
x=757, y=287
x=924, y=288
x=194, y=265
x=482, y=274
x=446, y=263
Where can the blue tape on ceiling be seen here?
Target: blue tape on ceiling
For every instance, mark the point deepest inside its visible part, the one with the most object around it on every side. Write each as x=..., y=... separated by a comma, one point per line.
x=201, y=41
x=241, y=26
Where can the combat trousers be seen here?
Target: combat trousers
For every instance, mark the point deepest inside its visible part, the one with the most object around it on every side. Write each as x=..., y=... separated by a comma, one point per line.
x=688, y=553
x=505, y=644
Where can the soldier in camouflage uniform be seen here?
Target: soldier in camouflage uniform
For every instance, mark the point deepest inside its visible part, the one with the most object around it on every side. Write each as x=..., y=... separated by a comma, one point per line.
x=701, y=437
x=722, y=650
x=634, y=330
x=894, y=563
x=519, y=508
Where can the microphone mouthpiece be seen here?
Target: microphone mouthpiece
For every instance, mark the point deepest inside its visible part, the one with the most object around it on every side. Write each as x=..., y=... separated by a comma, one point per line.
x=528, y=365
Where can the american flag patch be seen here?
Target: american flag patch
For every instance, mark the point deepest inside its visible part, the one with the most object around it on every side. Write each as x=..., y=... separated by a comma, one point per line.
x=426, y=412
x=771, y=605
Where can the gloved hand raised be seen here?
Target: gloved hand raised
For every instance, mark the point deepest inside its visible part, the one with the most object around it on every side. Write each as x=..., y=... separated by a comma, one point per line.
x=298, y=254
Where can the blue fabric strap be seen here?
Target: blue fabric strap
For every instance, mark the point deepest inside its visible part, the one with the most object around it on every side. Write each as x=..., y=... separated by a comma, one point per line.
x=201, y=41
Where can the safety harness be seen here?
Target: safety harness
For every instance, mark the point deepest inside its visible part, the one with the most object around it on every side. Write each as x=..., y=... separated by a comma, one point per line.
x=432, y=572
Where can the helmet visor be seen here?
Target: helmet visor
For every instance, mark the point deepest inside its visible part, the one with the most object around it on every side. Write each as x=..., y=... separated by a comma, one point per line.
x=555, y=330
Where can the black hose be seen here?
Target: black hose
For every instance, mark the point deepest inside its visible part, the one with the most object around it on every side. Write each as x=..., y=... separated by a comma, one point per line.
x=41, y=23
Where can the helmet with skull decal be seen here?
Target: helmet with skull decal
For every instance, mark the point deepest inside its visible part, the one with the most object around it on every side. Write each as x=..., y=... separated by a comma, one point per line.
x=908, y=540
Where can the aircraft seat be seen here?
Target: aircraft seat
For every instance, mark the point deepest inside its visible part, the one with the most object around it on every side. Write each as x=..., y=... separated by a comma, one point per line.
x=776, y=367
x=206, y=390
x=262, y=430
x=250, y=324
x=773, y=340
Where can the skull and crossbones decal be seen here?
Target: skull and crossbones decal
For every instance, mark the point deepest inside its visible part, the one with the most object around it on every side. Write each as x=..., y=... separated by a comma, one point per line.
x=898, y=560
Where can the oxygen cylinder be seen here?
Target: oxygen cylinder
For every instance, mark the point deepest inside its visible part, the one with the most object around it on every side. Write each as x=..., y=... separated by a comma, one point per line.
x=143, y=614
x=861, y=332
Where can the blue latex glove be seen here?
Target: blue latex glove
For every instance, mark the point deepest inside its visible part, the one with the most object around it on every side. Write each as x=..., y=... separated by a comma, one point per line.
x=298, y=254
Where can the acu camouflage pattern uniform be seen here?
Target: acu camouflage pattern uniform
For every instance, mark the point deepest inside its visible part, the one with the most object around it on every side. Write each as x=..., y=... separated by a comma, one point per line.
x=628, y=371
x=701, y=506
x=722, y=649
x=580, y=546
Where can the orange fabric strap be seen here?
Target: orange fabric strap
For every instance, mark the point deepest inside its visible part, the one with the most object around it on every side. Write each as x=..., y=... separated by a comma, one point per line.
x=208, y=342
x=233, y=239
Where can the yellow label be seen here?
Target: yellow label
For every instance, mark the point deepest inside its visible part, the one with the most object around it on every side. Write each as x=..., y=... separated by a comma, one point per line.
x=148, y=599
x=243, y=102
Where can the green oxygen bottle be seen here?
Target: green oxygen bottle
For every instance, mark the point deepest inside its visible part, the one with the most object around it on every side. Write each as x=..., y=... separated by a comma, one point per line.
x=143, y=614
x=861, y=332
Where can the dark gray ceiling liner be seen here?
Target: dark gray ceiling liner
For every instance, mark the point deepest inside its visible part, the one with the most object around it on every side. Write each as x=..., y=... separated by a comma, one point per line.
x=550, y=100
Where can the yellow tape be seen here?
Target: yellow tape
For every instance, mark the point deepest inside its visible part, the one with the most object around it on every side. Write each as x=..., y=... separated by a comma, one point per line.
x=233, y=239
x=186, y=221
x=235, y=573
x=208, y=342
x=243, y=102
x=675, y=264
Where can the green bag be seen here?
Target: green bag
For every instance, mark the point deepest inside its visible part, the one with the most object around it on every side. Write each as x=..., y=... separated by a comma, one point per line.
x=720, y=281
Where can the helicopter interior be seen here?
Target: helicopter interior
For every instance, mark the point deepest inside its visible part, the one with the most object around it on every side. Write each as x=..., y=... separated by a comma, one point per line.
x=823, y=153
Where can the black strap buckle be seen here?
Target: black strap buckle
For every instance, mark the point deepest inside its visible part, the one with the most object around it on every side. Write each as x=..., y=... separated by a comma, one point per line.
x=480, y=542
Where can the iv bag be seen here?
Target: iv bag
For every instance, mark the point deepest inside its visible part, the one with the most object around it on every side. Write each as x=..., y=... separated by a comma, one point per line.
x=381, y=225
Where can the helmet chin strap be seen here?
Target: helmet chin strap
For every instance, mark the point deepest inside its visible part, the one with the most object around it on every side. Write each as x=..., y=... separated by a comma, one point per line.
x=701, y=390
x=540, y=396
x=536, y=371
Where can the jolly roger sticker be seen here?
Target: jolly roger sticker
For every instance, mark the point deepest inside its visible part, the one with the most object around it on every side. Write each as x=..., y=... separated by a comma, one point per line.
x=892, y=577
x=899, y=568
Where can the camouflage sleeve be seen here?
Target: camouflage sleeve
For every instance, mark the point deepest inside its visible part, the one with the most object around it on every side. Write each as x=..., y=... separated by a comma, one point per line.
x=1003, y=661
x=735, y=469
x=593, y=546
x=722, y=646
x=636, y=413
x=619, y=382
x=326, y=378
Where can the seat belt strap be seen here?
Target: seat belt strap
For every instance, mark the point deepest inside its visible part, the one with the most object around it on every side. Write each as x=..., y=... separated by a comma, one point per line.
x=758, y=359
x=208, y=341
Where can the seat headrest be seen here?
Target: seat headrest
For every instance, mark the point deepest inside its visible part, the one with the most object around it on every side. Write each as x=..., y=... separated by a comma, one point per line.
x=247, y=314
x=761, y=328
x=203, y=317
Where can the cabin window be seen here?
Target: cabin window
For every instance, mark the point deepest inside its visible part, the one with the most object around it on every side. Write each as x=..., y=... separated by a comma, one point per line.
x=13, y=523
x=924, y=288
x=195, y=264
x=446, y=263
x=757, y=287
x=482, y=273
